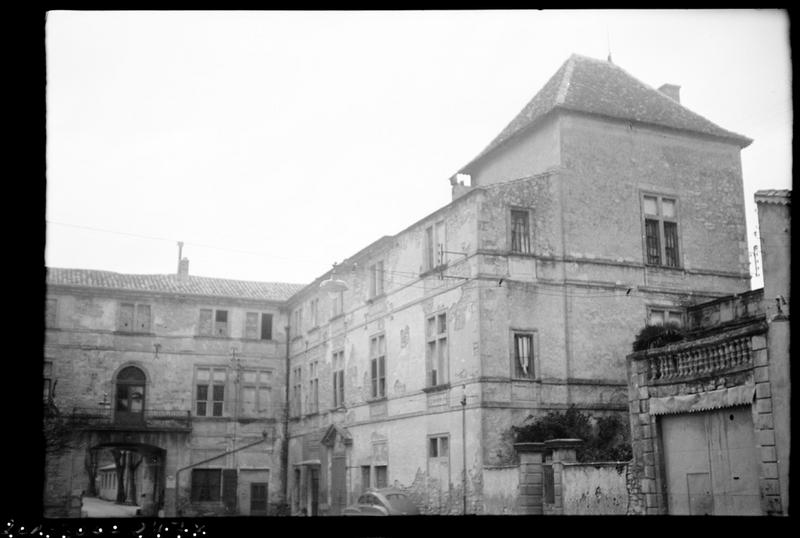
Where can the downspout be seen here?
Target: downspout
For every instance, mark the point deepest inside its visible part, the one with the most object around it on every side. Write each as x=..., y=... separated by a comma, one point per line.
x=285, y=443
x=564, y=284
x=177, y=473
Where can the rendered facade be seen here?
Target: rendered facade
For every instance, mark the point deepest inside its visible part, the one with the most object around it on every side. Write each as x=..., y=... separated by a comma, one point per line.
x=604, y=205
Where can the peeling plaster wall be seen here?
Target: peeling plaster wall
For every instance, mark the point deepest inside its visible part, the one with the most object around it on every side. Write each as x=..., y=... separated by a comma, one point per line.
x=594, y=489
x=86, y=351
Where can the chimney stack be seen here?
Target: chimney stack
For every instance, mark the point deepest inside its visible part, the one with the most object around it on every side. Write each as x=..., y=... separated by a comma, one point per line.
x=183, y=269
x=673, y=91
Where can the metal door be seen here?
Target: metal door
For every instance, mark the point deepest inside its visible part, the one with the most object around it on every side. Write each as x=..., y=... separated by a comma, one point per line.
x=710, y=462
x=338, y=486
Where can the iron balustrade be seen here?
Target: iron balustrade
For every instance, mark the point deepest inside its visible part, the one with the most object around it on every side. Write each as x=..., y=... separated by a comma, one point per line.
x=105, y=416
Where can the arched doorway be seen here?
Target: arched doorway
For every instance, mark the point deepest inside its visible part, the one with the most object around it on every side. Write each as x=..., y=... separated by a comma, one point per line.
x=130, y=396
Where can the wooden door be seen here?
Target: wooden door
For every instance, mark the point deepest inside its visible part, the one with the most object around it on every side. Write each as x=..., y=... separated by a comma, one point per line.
x=710, y=462
x=258, y=498
x=338, y=485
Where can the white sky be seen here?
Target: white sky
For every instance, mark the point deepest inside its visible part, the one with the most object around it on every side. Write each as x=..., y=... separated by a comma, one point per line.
x=277, y=143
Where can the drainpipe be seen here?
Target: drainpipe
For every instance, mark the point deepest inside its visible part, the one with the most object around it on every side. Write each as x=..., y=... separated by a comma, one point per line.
x=177, y=473
x=285, y=443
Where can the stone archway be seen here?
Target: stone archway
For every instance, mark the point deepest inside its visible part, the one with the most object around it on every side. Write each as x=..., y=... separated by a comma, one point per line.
x=138, y=474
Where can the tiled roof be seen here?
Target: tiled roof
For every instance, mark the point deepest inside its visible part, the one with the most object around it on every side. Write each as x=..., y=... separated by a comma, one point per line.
x=193, y=285
x=593, y=86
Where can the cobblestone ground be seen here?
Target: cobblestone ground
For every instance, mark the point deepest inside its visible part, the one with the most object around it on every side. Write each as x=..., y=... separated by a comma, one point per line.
x=94, y=507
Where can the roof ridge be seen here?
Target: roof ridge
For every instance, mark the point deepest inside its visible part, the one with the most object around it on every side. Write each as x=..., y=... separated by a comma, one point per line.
x=563, y=88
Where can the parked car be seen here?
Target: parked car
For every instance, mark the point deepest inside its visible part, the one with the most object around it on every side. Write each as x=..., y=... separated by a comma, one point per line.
x=382, y=502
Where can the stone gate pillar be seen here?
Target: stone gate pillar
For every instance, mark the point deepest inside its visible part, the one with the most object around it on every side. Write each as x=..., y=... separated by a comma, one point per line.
x=530, y=477
x=564, y=451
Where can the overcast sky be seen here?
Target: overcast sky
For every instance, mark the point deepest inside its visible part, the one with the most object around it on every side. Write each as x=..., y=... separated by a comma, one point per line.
x=274, y=144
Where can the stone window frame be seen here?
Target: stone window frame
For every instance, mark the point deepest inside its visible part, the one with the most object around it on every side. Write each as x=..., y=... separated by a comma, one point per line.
x=209, y=400
x=337, y=365
x=47, y=375
x=667, y=310
x=436, y=339
x=527, y=246
x=377, y=366
x=337, y=304
x=436, y=440
x=259, y=385
x=313, y=387
x=661, y=219
x=137, y=308
x=377, y=279
x=313, y=308
x=434, y=243
x=260, y=326
x=535, y=370
x=215, y=323
x=297, y=390
x=51, y=313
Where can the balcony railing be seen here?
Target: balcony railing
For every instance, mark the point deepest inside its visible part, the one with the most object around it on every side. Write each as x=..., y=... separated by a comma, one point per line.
x=698, y=361
x=149, y=419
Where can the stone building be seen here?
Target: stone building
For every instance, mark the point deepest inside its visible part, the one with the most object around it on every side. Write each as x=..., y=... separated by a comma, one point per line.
x=710, y=414
x=175, y=372
x=604, y=205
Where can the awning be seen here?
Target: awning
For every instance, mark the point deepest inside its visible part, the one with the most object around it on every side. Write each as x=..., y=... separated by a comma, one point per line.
x=715, y=399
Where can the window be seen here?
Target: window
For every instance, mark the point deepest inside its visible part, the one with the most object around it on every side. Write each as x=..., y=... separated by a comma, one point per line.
x=438, y=446
x=436, y=350
x=206, y=485
x=381, y=476
x=256, y=392
x=210, y=397
x=134, y=317
x=314, y=312
x=251, y=326
x=338, y=379
x=297, y=389
x=661, y=316
x=50, y=309
x=48, y=376
x=313, y=387
x=520, y=231
x=213, y=322
x=298, y=320
x=377, y=353
x=522, y=355
x=434, y=245
x=661, y=231
x=376, y=279
x=337, y=304
x=365, y=477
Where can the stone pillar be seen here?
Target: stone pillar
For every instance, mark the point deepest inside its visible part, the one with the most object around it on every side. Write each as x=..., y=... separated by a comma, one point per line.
x=530, y=477
x=563, y=451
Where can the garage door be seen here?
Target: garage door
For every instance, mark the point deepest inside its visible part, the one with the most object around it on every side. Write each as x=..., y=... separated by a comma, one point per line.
x=710, y=461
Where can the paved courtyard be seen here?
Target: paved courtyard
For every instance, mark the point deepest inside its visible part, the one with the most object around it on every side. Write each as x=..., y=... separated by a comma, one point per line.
x=94, y=507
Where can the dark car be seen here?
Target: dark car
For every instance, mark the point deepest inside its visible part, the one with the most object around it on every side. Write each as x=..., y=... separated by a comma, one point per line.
x=382, y=502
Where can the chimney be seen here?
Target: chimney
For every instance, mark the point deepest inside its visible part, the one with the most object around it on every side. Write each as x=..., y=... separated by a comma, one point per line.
x=673, y=91
x=183, y=269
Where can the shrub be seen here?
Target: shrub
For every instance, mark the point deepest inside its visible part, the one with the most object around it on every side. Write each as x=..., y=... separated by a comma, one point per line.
x=606, y=441
x=653, y=336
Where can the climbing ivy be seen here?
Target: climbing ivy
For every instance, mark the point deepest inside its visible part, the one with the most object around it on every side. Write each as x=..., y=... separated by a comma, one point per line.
x=605, y=440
